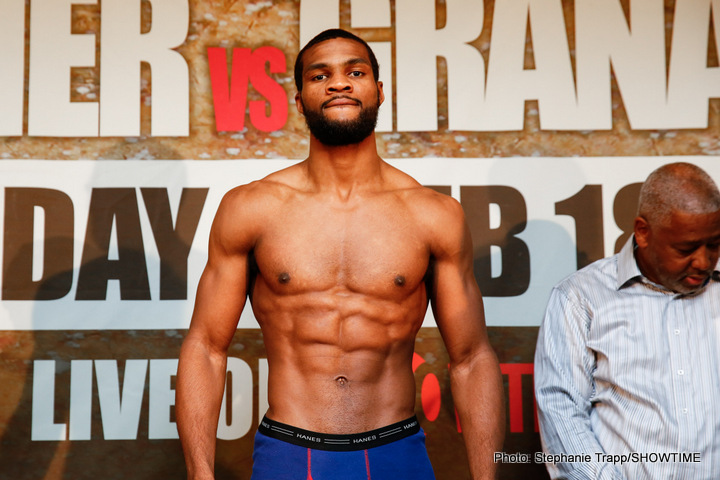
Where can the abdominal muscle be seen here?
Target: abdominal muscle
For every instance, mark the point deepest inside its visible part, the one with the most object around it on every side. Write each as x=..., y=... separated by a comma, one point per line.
x=340, y=363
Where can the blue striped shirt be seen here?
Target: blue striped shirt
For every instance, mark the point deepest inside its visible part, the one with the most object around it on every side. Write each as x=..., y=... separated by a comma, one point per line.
x=626, y=367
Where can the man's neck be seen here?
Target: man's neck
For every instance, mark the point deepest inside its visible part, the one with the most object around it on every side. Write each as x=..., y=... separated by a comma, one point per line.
x=344, y=169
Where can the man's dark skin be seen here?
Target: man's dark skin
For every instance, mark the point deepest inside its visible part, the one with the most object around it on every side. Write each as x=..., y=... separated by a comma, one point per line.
x=349, y=251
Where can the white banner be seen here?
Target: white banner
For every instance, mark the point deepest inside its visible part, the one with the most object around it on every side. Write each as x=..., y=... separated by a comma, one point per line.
x=537, y=217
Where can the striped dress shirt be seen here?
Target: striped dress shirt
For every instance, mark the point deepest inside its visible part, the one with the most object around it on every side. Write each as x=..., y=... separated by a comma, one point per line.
x=627, y=376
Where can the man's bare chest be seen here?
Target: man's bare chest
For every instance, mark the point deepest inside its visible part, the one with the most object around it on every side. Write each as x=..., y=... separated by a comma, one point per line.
x=372, y=250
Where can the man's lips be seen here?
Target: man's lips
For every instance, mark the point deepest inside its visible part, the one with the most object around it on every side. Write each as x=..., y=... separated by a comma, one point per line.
x=341, y=102
x=697, y=279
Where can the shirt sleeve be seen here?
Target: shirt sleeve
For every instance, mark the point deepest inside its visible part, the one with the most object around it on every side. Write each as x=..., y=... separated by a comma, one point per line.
x=564, y=387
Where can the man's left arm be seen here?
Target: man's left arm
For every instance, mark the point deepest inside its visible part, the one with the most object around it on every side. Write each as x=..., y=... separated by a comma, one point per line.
x=475, y=375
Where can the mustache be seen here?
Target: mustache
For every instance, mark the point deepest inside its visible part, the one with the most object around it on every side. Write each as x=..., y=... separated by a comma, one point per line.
x=346, y=97
x=702, y=273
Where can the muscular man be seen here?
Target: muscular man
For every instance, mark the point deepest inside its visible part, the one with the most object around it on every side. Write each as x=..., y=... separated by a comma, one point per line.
x=339, y=255
x=628, y=356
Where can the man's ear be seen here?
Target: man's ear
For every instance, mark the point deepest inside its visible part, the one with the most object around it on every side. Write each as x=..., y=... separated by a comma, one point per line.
x=299, y=104
x=381, y=94
x=641, y=228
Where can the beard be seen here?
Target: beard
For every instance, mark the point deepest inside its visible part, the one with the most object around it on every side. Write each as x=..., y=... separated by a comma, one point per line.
x=336, y=133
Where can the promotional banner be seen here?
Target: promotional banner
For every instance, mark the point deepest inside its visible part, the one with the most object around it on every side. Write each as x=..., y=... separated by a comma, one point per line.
x=123, y=124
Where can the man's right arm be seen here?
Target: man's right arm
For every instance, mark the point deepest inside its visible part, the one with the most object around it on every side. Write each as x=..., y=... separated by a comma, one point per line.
x=563, y=387
x=201, y=371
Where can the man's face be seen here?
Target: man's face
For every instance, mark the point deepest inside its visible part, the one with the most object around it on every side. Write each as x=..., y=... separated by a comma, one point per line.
x=680, y=253
x=340, y=97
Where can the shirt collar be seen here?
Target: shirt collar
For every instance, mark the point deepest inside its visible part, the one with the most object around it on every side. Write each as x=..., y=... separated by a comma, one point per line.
x=628, y=271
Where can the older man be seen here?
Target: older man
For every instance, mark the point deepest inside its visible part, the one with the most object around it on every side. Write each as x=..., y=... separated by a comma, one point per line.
x=627, y=366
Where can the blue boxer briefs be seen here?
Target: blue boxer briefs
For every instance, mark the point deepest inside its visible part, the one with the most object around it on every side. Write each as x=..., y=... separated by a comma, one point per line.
x=395, y=452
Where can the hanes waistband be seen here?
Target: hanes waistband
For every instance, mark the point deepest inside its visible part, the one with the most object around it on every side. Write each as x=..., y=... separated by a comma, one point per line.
x=339, y=443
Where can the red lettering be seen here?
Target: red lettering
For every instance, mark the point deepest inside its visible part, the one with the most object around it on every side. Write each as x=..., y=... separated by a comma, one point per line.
x=229, y=100
x=430, y=397
x=515, y=371
x=430, y=394
x=268, y=88
x=230, y=94
x=417, y=360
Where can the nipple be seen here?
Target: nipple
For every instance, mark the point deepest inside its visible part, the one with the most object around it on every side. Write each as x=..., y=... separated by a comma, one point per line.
x=399, y=280
x=284, y=278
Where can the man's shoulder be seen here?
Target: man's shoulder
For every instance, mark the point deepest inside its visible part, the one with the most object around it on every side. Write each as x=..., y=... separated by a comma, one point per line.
x=435, y=211
x=439, y=217
x=425, y=200
x=244, y=211
x=599, y=275
x=266, y=191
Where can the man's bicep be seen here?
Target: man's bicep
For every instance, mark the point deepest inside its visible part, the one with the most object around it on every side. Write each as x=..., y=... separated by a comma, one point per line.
x=458, y=310
x=457, y=301
x=455, y=297
x=222, y=289
x=220, y=300
x=221, y=294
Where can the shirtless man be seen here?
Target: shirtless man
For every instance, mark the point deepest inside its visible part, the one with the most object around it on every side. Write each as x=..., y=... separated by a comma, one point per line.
x=339, y=255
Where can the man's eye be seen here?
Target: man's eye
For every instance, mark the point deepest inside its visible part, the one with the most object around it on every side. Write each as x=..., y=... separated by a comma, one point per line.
x=318, y=77
x=356, y=74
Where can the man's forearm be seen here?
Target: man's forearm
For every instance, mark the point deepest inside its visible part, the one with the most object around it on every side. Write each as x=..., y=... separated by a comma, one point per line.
x=200, y=386
x=477, y=392
x=567, y=431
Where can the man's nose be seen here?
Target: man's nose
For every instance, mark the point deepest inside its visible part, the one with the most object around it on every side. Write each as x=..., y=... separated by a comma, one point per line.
x=339, y=83
x=705, y=258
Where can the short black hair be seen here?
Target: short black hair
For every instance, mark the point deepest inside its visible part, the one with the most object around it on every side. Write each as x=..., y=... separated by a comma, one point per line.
x=329, y=35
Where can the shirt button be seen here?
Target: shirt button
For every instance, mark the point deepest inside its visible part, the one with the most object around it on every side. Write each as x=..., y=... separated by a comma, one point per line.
x=677, y=332
x=685, y=410
x=681, y=372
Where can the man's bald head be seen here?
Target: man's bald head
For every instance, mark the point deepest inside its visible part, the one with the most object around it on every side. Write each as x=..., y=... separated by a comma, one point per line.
x=682, y=187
